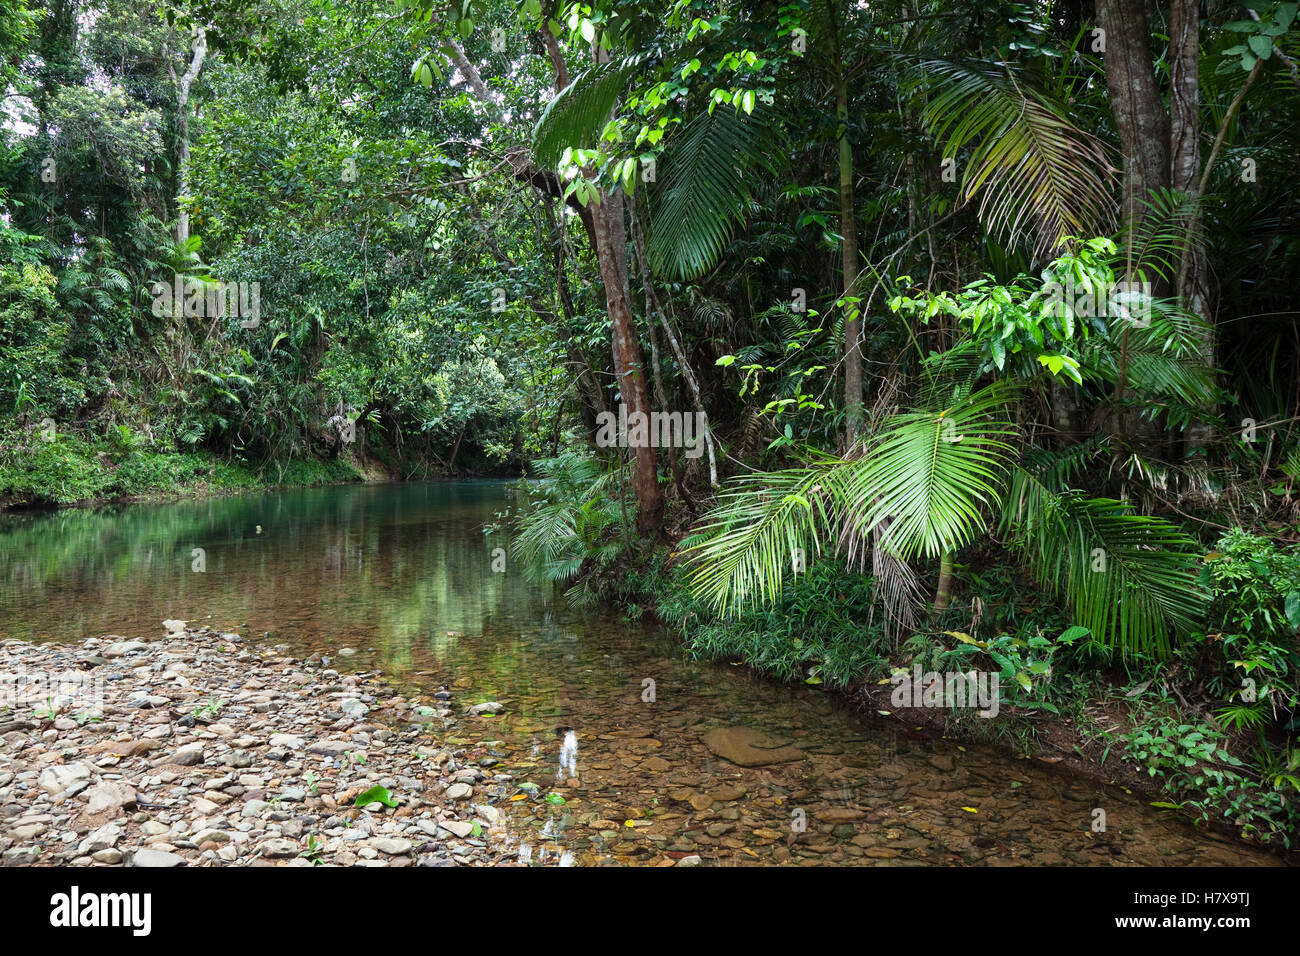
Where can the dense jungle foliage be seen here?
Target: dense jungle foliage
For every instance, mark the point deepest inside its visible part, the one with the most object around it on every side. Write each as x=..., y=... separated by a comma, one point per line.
x=984, y=315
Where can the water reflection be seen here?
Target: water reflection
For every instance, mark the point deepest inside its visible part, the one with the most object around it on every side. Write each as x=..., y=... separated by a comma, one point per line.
x=404, y=575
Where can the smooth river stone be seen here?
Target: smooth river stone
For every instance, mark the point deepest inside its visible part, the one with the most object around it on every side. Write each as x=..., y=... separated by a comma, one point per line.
x=748, y=747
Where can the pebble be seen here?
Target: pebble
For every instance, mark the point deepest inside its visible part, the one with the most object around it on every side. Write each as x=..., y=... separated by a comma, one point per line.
x=156, y=858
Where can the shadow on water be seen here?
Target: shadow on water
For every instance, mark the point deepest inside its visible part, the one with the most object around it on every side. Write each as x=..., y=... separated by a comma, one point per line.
x=402, y=574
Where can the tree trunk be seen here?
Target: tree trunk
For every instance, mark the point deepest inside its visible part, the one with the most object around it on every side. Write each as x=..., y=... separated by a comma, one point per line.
x=661, y=396
x=1143, y=127
x=656, y=308
x=591, y=398
x=1140, y=117
x=605, y=227
x=849, y=245
x=943, y=592
x=199, y=50
x=611, y=254
x=849, y=262
x=1184, y=175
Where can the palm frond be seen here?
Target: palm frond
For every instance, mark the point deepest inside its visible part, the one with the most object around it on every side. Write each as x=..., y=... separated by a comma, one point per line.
x=707, y=169
x=579, y=112
x=1154, y=243
x=928, y=477
x=1164, y=359
x=1029, y=161
x=1129, y=578
x=922, y=487
x=762, y=528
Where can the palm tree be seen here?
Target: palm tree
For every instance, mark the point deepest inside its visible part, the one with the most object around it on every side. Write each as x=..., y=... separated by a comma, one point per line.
x=929, y=480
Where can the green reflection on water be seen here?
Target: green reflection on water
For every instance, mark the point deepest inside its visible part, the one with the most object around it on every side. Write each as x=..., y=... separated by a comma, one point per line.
x=402, y=573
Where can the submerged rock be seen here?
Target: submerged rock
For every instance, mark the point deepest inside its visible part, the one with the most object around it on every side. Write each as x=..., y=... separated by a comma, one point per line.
x=749, y=747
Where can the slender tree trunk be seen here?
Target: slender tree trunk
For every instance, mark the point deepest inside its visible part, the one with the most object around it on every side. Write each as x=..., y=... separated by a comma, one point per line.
x=1064, y=410
x=849, y=246
x=611, y=247
x=198, y=52
x=455, y=449
x=853, y=324
x=592, y=399
x=1184, y=175
x=655, y=308
x=674, y=462
x=943, y=592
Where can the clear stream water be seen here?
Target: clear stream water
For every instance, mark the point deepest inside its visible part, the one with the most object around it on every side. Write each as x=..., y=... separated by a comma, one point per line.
x=403, y=575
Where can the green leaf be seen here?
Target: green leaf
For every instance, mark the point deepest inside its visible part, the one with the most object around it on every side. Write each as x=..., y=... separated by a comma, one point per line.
x=1292, y=609
x=998, y=347
x=1261, y=46
x=375, y=795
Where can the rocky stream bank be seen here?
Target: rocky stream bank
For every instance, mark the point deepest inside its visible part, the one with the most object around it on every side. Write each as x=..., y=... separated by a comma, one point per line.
x=198, y=750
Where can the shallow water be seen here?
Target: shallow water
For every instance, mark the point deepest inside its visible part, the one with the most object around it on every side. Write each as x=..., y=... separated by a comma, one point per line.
x=403, y=574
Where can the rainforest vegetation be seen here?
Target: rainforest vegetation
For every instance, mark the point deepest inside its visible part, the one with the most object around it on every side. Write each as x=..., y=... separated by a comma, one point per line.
x=983, y=315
